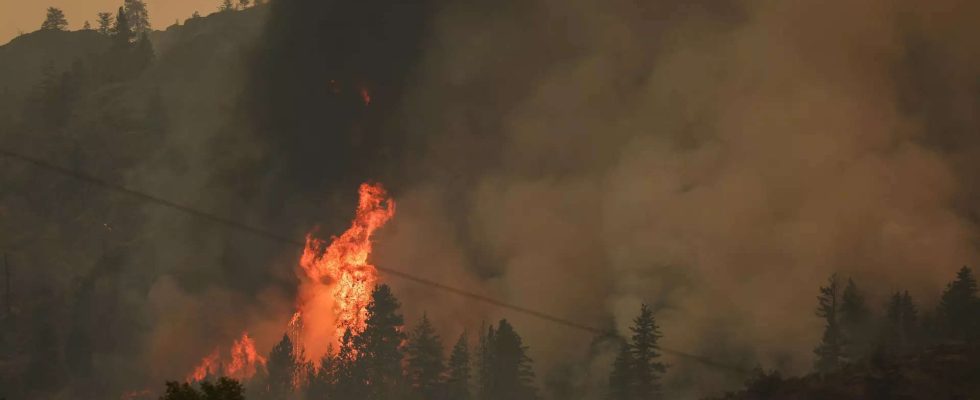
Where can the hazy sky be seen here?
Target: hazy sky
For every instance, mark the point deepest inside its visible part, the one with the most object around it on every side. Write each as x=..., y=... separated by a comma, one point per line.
x=27, y=15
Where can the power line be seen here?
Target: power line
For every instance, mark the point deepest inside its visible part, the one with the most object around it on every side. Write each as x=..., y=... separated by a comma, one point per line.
x=286, y=240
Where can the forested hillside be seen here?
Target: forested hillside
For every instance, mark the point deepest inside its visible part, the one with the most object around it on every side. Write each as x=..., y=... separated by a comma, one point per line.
x=114, y=106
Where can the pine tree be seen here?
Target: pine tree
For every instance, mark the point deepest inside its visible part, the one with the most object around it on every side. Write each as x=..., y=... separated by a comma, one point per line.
x=508, y=370
x=901, y=323
x=137, y=15
x=105, y=23
x=86, y=26
x=854, y=322
x=645, y=350
x=226, y=5
x=485, y=362
x=959, y=307
x=321, y=381
x=458, y=380
x=830, y=350
x=349, y=375
x=282, y=366
x=379, y=346
x=621, y=377
x=55, y=20
x=424, y=355
x=121, y=31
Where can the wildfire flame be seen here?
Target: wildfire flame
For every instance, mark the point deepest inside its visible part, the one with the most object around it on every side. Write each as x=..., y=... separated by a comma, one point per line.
x=242, y=362
x=366, y=96
x=337, y=280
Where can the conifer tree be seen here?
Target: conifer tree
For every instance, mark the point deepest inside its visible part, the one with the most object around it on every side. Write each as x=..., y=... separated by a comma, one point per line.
x=485, y=362
x=645, y=349
x=830, y=350
x=137, y=15
x=54, y=20
x=282, y=367
x=86, y=26
x=226, y=5
x=348, y=376
x=901, y=323
x=458, y=380
x=959, y=307
x=121, y=31
x=379, y=346
x=105, y=23
x=425, y=365
x=621, y=377
x=507, y=368
x=855, y=318
x=321, y=381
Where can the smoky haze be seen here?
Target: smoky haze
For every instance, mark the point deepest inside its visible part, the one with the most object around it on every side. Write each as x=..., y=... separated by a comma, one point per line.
x=717, y=160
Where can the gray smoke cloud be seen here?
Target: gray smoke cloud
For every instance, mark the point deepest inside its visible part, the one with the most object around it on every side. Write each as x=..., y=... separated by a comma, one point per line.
x=716, y=160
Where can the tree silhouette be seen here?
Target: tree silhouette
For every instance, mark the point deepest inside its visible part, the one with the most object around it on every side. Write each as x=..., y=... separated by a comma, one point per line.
x=322, y=380
x=830, y=350
x=55, y=20
x=105, y=23
x=958, y=309
x=458, y=379
x=621, y=377
x=282, y=366
x=506, y=371
x=137, y=15
x=86, y=26
x=645, y=350
x=223, y=389
x=901, y=323
x=226, y=5
x=121, y=31
x=379, y=346
x=424, y=360
x=855, y=318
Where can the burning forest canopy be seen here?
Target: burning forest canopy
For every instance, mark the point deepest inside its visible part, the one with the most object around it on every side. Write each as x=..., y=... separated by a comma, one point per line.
x=594, y=199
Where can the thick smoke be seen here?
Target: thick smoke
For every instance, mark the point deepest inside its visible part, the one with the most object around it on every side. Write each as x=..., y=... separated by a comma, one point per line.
x=717, y=160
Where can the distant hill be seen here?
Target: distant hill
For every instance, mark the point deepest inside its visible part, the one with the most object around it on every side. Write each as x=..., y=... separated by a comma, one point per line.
x=150, y=126
x=22, y=60
x=183, y=51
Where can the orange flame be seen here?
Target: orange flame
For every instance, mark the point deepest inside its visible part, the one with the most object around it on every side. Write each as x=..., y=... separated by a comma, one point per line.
x=207, y=365
x=244, y=359
x=337, y=280
x=242, y=365
x=366, y=96
x=335, y=289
